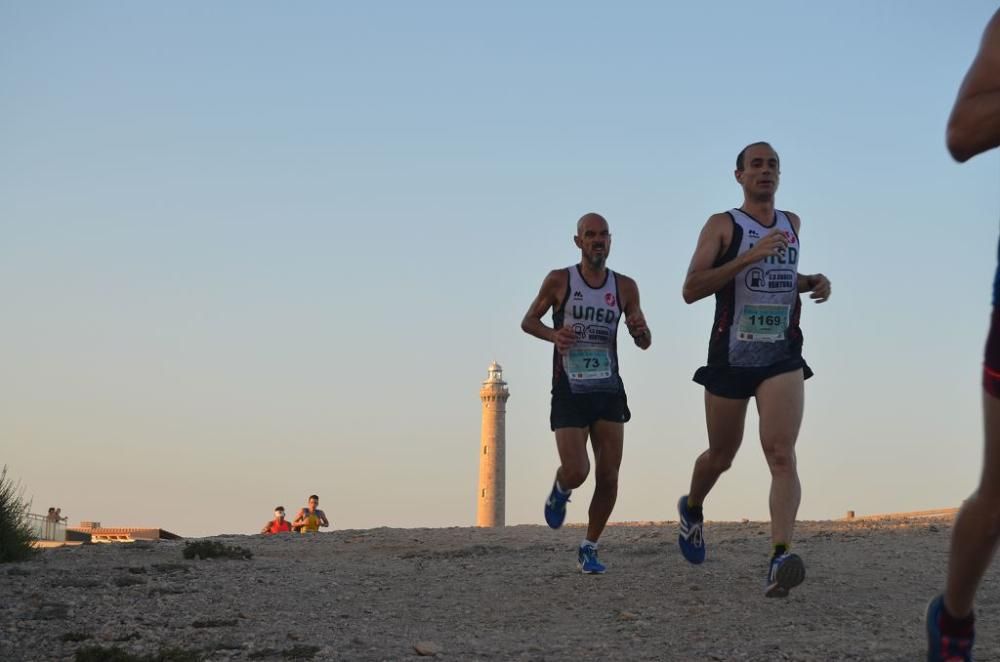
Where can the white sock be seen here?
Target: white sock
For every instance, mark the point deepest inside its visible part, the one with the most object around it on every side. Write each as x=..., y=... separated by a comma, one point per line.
x=561, y=490
x=587, y=543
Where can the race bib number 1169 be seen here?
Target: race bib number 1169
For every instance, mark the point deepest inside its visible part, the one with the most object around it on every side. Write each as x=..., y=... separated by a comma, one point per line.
x=763, y=323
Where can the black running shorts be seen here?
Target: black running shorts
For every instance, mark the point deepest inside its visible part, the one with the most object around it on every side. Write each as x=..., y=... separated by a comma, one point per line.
x=991, y=358
x=991, y=355
x=741, y=383
x=581, y=410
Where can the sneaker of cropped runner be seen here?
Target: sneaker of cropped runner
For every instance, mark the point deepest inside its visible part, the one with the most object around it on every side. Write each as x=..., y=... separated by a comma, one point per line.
x=586, y=559
x=690, y=536
x=785, y=572
x=555, y=507
x=942, y=647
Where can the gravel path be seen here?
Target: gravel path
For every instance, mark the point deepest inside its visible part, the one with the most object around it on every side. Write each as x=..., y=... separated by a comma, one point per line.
x=510, y=594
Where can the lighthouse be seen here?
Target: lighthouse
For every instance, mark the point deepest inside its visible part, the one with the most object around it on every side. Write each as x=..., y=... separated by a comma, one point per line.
x=490, y=500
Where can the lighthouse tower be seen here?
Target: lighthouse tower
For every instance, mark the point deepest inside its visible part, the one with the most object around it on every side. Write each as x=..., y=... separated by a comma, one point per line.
x=490, y=499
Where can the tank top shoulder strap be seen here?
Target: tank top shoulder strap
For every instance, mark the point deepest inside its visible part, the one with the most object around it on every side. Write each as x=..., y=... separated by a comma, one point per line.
x=787, y=221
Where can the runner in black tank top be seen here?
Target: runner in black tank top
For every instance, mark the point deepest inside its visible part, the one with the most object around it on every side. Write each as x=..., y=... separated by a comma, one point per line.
x=748, y=258
x=974, y=128
x=588, y=301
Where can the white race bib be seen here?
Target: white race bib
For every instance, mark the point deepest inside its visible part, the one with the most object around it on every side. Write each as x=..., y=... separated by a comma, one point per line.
x=582, y=363
x=763, y=322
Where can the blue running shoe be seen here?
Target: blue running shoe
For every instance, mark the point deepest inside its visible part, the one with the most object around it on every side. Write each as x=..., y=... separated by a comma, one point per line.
x=586, y=558
x=786, y=572
x=555, y=507
x=691, y=540
x=941, y=647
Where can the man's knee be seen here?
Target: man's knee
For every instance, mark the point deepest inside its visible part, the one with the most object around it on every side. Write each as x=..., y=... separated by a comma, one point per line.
x=572, y=477
x=606, y=479
x=987, y=497
x=780, y=457
x=720, y=461
x=984, y=507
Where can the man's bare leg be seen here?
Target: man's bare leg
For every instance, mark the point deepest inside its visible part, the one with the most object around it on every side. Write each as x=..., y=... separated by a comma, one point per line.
x=607, y=438
x=573, y=469
x=780, y=403
x=977, y=527
x=724, y=418
x=574, y=465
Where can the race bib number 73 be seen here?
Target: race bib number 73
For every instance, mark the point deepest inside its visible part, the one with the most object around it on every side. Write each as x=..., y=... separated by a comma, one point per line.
x=587, y=363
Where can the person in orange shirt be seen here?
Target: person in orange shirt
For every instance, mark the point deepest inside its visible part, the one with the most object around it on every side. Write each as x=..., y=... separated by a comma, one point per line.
x=279, y=524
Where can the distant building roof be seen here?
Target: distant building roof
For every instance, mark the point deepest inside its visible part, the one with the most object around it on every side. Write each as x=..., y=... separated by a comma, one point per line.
x=119, y=533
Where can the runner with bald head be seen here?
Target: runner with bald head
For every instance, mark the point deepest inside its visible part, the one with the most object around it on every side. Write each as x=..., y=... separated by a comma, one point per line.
x=588, y=397
x=748, y=258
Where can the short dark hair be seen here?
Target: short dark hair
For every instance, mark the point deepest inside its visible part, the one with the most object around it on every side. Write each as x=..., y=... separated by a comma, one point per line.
x=739, y=157
x=281, y=508
x=313, y=496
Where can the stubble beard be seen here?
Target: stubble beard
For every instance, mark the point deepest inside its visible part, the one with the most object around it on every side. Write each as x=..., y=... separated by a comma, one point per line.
x=596, y=261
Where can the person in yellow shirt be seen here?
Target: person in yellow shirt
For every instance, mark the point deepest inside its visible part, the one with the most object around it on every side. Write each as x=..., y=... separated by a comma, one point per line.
x=310, y=518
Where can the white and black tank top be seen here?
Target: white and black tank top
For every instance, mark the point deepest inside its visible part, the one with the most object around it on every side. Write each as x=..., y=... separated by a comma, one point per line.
x=591, y=364
x=757, y=313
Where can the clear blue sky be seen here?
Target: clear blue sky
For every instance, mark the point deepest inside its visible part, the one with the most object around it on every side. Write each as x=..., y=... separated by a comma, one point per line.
x=252, y=252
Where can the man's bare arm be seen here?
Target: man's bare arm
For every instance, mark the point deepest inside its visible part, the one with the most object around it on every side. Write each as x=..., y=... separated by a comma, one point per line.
x=635, y=321
x=702, y=280
x=532, y=322
x=974, y=125
x=818, y=284
x=548, y=296
x=705, y=280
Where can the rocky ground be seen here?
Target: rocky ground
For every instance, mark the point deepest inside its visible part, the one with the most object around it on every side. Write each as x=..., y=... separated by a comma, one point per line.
x=468, y=594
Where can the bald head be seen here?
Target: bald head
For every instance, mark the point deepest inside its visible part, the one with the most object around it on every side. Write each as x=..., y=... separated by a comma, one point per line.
x=741, y=157
x=590, y=220
x=593, y=239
